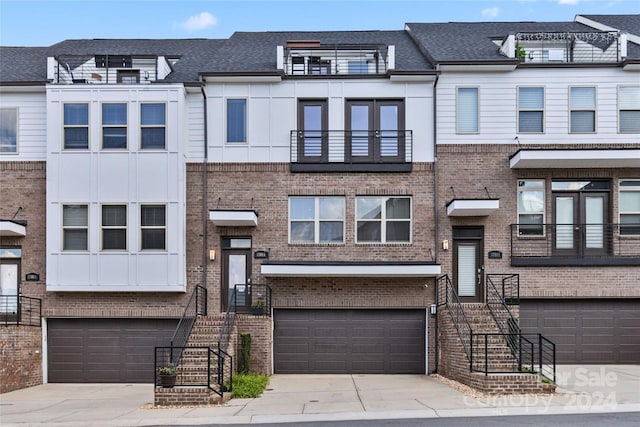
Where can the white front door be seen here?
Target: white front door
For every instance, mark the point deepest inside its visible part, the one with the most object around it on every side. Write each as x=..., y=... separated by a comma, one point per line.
x=9, y=288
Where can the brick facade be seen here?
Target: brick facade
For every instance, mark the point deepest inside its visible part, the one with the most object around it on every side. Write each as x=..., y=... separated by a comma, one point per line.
x=20, y=357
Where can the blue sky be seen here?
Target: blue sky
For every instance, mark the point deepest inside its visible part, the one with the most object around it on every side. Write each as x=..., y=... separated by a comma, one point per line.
x=42, y=23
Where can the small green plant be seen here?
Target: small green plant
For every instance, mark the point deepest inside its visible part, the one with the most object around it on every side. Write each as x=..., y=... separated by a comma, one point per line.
x=520, y=52
x=249, y=385
x=546, y=380
x=170, y=369
x=245, y=353
x=258, y=304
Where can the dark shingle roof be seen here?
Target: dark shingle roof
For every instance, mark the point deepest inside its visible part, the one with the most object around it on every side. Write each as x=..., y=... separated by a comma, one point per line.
x=473, y=41
x=23, y=64
x=628, y=23
x=256, y=52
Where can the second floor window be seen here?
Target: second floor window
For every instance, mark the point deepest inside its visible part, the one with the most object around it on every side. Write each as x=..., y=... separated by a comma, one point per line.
x=316, y=219
x=8, y=130
x=114, y=125
x=114, y=227
x=583, y=109
x=76, y=126
x=629, y=109
x=153, y=227
x=75, y=226
x=531, y=207
x=153, y=126
x=383, y=219
x=630, y=207
x=237, y=120
x=467, y=110
x=530, y=109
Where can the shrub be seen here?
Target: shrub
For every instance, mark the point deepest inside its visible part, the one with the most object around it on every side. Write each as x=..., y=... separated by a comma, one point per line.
x=249, y=385
x=245, y=353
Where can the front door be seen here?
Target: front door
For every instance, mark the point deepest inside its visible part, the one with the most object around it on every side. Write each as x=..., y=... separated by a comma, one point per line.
x=468, y=266
x=9, y=278
x=581, y=219
x=236, y=273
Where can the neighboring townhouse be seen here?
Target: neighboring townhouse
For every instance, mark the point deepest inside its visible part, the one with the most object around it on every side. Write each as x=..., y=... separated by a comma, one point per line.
x=320, y=194
x=538, y=171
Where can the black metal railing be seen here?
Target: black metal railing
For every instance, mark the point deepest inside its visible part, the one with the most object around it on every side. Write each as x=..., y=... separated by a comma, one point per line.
x=489, y=357
x=230, y=317
x=316, y=60
x=506, y=322
x=559, y=47
x=253, y=298
x=199, y=367
x=575, y=244
x=351, y=146
x=20, y=310
x=507, y=287
x=447, y=296
x=544, y=355
x=197, y=306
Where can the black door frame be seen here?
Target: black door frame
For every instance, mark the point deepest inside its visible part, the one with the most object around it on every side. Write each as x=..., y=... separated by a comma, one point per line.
x=470, y=236
x=243, y=304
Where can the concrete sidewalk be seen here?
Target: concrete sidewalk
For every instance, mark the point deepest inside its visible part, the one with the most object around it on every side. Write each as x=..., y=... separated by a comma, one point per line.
x=297, y=398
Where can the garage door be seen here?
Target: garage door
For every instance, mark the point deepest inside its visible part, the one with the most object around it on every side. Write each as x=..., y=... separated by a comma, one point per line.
x=105, y=350
x=587, y=331
x=349, y=341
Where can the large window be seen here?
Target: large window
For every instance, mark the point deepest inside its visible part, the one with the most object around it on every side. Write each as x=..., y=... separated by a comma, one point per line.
x=8, y=130
x=237, y=120
x=76, y=126
x=531, y=207
x=114, y=125
x=312, y=131
x=316, y=219
x=467, y=110
x=383, y=219
x=153, y=227
x=75, y=226
x=114, y=227
x=630, y=206
x=153, y=126
x=530, y=109
x=629, y=109
x=583, y=109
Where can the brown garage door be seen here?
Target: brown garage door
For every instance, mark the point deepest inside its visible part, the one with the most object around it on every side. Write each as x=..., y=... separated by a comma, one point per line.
x=349, y=341
x=105, y=350
x=586, y=331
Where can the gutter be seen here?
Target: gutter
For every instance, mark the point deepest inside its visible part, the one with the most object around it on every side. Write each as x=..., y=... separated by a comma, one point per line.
x=436, y=222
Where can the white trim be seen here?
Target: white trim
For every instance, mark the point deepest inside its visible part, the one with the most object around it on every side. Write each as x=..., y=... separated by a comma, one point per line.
x=242, y=79
x=472, y=207
x=338, y=270
x=478, y=68
x=12, y=229
x=573, y=159
x=43, y=349
x=233, y=218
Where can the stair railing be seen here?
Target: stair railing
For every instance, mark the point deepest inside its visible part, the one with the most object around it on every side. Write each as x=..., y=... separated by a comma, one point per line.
x=229, y=319
x=507, y=323
x=197, y=306
x=447, y=296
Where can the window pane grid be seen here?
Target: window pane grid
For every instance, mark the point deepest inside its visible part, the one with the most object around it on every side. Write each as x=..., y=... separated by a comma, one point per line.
x=630, y=207
x=316, y=219
x=114, y=227
x=76, y=126
x=531, y=206
x=75, y=221
x=383, y=220
x=153, y=126
x=583, y=106
x=8, y=130
x=531, y=109
x=153, y=227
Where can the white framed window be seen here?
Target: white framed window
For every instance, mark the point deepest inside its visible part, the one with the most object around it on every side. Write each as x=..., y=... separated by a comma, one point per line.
x=76, y=126
x=114, y=126
x=629, y=109
x=530, y=109
x=383, y=219
x=582, y=103
x=153, y=227
x=114, y=227
x=236, y=120
x=316, y=219
x=8, y=130
x=531, y=203
x=75, y=227
x=153, y=129
x=467, y=110
x=630, y=206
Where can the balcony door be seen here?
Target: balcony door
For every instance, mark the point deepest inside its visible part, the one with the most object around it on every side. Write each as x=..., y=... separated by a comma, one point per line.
x=236, y=273
x=581, y=219
x=374, y=131
x=312, y=139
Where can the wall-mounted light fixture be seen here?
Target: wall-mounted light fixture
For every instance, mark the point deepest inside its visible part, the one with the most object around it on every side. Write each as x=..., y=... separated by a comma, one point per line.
x=212, y=255
x=445, y=245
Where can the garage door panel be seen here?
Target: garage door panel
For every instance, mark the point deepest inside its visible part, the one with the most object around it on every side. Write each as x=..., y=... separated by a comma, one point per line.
x=105, y=350
x=349, y=341
x=586, y=331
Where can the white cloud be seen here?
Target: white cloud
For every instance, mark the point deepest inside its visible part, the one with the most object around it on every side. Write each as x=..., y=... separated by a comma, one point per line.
x=569, y=2
x=199, y=22
x=491, y=12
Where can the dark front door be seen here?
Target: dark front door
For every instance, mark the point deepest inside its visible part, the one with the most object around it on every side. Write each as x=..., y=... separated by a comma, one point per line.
x=313, y=146
x=468, y=266
x=581, y=222
x=236, y=273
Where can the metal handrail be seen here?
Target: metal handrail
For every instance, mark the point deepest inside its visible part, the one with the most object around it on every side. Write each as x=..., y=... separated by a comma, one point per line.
x=505, y=320
x=20, y=310
x=229, y=321
x=197, y=306
x=523, y=363
x=460, y=321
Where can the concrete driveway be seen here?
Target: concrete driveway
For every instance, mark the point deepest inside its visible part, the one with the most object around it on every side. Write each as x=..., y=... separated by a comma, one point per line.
x=298, y=398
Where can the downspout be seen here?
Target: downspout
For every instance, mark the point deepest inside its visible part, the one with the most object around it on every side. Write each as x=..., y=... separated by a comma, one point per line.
x=204, y=191
x=436, y=232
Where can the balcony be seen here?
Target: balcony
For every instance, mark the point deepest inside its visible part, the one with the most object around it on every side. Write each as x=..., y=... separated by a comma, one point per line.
x=351, y=151
x=310, y=58
x=575, y=244
x=106, y=69
x=20, y=310
x=570, y=47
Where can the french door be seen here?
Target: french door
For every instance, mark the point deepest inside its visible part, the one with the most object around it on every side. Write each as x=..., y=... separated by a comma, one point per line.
x=581, y=223
x=375, y=131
